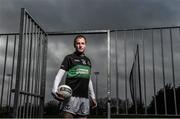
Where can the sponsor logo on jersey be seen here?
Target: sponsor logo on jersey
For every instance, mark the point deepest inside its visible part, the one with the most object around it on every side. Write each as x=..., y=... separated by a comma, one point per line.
x=82, y=71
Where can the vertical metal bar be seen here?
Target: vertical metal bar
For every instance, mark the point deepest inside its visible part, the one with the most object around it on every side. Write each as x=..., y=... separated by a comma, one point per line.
x=22, y=82
x=139, y=76
x=29, y=66
x=39, y=70
x=144, y=73
x=153, y=68
x=23, y=73
x=125, y=72
x=135, y=85
x=117, y=77
x=18, y=71
x=109, y=74
x=173, y=74
x=4, y=71
x=31, y=69
x=35, y=73
x=26, y=70
x=29, y=73
x=12, y=71
x=8, y=89
x=136, y=108
x=43, y=82
x=164, y=83
x=26, y=66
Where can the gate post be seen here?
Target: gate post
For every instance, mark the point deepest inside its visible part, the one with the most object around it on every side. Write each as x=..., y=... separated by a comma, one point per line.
x=43, y=75
x=109, y=75
x=18, y=70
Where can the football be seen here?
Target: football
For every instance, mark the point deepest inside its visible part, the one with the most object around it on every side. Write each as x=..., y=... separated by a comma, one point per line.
x=65, y=91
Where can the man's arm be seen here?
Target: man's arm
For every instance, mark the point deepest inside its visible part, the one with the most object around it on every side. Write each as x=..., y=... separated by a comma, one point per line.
x=92, y=95
x=57, y=81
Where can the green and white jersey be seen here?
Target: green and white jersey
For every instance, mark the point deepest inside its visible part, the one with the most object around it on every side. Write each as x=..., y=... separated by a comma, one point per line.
x=78, y=69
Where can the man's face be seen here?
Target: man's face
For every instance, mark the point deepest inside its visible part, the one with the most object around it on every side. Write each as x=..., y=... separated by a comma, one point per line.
x=80, y=45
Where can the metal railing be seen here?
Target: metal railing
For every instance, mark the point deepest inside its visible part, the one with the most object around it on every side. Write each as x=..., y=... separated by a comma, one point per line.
x=9, y=43
x=24, y=74
x=158, y=69
x=158, y=58
x=31, y=69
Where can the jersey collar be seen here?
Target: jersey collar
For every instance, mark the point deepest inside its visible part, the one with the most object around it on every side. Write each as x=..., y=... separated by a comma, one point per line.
x=79, y=54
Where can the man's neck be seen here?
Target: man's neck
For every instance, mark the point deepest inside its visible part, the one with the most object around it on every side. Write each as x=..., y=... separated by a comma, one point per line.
x=79, y=53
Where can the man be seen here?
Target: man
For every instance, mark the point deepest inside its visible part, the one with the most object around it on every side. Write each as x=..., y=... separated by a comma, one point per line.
x=78, y=68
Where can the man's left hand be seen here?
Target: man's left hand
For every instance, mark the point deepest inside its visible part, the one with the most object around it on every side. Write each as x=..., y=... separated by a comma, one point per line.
x=93, y=103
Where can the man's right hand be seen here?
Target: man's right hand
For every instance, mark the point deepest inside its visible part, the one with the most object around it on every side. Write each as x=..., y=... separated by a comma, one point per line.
x=57, y=96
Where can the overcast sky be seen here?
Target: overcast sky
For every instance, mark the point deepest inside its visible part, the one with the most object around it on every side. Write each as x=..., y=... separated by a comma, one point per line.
x=60, y=15
x=76, y=15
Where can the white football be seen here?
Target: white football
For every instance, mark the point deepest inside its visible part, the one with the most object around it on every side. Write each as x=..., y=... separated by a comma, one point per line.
x=65, y=91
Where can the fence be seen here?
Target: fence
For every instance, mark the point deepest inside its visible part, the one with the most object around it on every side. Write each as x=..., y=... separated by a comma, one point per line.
x=155, y=67
x=9, y=44
x=150, y=70
x=28, y=76
x=143, y=82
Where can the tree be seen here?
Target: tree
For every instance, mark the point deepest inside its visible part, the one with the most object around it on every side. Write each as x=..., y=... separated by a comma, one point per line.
x=169, y=99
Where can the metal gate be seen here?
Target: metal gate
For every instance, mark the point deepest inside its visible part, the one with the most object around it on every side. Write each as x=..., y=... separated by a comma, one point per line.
x=31, y=69
x=141, y=66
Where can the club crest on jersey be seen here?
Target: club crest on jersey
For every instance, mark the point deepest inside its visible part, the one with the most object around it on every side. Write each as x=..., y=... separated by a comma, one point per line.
x=88, y=62
x=83, y=61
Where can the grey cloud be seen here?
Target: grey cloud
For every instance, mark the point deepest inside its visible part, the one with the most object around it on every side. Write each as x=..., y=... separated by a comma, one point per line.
x=70, y=15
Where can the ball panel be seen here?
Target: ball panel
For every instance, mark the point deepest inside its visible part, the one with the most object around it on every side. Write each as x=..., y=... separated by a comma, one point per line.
x=65, y=91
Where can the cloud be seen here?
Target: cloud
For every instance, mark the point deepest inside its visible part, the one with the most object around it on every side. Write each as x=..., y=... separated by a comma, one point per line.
x=71, y=15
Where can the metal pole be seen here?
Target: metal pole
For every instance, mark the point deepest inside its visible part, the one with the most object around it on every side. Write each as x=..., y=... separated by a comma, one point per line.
x=125, y=73
x=26, y=67
x=12, y=71
x=144, y=72
x=4, y=71
x=8, y=89
x=173, y=73
x=29, y=67
x=154, y=80
x=163, y=72
x=134, y=75
x=117, y=77
x=43, y=73
x=17, y=87
x=32, y=70
x=23, y=74
x=109, y=75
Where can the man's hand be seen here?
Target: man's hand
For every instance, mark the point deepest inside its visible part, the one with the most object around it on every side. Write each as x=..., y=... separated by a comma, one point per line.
x=93, y=103
x=57, y=96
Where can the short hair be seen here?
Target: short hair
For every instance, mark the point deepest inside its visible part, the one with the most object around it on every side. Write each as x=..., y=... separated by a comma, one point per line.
x=78, y=37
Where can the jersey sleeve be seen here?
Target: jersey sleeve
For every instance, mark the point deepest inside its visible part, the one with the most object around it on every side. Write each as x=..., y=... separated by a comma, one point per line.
x=65, y=64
